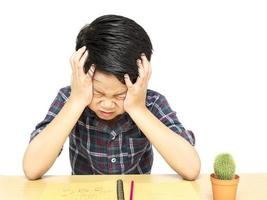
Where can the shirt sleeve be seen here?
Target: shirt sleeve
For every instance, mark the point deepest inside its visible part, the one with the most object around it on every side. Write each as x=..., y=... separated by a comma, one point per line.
x=54, y=109
x=162, y=110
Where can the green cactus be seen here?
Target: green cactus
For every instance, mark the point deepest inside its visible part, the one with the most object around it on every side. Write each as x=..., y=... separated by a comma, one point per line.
x=224, y=166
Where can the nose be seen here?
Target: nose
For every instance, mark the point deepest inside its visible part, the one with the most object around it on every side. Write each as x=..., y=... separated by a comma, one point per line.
x=107, y=104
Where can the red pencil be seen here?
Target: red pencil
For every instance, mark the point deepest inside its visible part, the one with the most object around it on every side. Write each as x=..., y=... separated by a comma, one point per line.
x=132, y=190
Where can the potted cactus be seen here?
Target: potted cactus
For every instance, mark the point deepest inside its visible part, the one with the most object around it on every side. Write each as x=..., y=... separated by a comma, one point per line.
x=224, y=180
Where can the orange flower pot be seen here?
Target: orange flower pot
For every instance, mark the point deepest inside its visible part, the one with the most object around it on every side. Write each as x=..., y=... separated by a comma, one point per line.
x=224, y=189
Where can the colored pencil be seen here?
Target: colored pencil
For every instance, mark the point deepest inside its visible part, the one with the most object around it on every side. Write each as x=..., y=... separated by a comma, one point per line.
x=132, y=190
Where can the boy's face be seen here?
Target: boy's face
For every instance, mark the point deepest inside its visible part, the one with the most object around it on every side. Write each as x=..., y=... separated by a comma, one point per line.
x=108, y=96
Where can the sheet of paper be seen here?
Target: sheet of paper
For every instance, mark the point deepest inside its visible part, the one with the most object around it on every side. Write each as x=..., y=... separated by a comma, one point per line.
x=180, y=190
x=80, y=191
x=108, y=190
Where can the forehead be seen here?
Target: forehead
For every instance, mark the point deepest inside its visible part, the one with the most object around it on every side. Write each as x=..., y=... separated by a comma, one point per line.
x=107, y=83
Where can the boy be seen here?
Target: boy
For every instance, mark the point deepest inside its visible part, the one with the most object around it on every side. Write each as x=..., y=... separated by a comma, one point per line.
x=109, y=115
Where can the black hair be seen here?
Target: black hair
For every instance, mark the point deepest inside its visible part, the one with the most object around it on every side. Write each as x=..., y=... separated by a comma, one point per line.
x=114, y=43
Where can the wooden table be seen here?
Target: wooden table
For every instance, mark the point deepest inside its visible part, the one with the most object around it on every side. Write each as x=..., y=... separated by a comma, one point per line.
x=251, y=186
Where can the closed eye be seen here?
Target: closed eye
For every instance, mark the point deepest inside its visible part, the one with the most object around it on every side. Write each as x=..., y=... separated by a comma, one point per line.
x=98, y=93
x=118, y=96
x=121, y=96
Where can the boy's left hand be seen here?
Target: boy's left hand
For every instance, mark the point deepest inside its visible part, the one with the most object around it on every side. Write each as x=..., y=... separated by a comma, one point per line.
x=136, y=93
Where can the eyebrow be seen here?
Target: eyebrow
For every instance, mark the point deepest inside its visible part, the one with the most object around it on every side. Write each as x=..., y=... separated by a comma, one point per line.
x=115, y=94
x=121, y=93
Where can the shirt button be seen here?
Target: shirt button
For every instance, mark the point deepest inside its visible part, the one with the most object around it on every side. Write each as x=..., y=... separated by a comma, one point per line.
x=113, y=160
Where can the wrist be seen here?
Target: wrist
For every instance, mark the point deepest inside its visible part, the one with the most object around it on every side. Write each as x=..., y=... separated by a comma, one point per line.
x=137, y=111
x=77, y=103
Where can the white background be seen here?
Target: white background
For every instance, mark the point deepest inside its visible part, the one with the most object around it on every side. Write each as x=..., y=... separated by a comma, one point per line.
x=209, y=61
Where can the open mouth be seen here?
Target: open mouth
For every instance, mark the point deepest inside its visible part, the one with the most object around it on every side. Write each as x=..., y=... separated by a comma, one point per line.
x=106, y=113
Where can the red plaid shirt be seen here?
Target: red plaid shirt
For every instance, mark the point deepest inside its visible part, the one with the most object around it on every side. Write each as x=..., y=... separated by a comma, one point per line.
x=97, y=148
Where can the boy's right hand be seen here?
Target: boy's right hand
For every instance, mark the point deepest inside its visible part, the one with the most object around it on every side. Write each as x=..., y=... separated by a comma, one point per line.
x=81, y=82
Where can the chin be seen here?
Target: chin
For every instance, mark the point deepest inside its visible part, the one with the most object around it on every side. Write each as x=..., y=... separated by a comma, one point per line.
x=106, y=118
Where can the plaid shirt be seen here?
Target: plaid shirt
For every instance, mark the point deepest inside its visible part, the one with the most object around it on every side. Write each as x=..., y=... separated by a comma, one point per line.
x=95, y=147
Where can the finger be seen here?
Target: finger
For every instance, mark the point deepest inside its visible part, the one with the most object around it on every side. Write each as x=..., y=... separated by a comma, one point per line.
x=84, y=57
x=71, y=78
x=149, y=70
x=81, y=50
x=71, y=61
x=73, y=68
x=128, y=81
x=141, y=73
x=81, y=63
x=74, y=62
x=91, y=71
x=141, y=69
x=78, y=54
x=145, y=64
